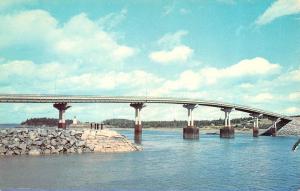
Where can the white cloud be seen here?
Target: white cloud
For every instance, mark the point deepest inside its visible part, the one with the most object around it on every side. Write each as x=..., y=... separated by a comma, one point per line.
x=292, y=110
x=168, y=9
x=255, y=66
x=177, y=54
x=260, y=98
x=246, y=86
x=108, y=81
x=291, y=76
x=172, y=39
x=278, y=9
x=27, y=70
x=23, y=75
x=89, y=42
x=184, y=11
x=112, y=20
x=4, y=4
x=295, y=96
x=193, y=80
x=28, y=27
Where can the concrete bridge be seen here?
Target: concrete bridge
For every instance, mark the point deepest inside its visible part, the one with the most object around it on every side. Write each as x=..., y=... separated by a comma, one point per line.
x=61, y=103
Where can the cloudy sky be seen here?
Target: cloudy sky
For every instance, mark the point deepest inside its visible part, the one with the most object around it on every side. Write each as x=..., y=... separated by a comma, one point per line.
x=243, y=52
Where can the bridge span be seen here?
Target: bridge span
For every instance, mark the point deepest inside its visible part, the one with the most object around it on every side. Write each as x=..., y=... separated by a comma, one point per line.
x=61, y=102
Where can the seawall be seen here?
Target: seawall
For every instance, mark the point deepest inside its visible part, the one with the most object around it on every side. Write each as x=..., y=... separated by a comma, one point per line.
x=23, y=141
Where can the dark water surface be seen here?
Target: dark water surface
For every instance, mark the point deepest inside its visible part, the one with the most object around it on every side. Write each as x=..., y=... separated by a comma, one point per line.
x=167, y=163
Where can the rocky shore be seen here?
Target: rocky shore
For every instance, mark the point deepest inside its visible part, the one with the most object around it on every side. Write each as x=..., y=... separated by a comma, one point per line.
x=291, y=129
x=23, y=141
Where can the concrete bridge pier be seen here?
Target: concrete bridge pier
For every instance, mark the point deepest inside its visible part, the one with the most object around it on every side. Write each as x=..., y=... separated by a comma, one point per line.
x=255, y=124
x=62, y=107
x=227, y=131
x=274, y=126
x=138, y=123
x=190, y=132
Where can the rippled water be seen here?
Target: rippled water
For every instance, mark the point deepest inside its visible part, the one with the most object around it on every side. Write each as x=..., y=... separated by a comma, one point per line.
x=167, y=163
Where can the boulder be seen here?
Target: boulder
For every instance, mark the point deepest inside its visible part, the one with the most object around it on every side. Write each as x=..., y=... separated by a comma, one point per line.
x=38, y=143
x=47, y=151
x=2, y=149
x=54, y=151
x=79, y=150
x=5, y=141
x=43, y=132
x=34, y=152
x=9, y=152
x=53, y=142
x=32, y=135
x=80, y=143
x=64, y=142
x=11, y=146
x=71, y=150
x=60, y=148
x=72, y=142
x=22, y=146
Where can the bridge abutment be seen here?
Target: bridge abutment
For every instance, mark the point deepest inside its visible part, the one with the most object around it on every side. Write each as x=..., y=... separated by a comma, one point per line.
x=138, y=122
x=62, y=107
x=190, y=132
x=227, y=131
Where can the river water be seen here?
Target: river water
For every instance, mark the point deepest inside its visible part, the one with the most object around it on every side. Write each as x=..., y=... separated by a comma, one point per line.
x=167, y=163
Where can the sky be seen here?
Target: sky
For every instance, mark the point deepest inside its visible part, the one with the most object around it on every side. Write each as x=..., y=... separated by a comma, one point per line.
x=243, y=52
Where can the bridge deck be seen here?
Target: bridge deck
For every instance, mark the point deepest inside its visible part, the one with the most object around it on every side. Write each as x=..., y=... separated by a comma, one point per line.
x=26, y=98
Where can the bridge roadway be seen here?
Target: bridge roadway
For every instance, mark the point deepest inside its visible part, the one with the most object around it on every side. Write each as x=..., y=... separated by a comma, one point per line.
x=35, y=98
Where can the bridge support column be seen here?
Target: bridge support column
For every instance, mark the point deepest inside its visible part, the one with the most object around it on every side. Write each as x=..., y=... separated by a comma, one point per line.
x=227, y=131
x=138, y=123
x=62, y=107
x=190, y=132
x=274, y=128
x=255, y=124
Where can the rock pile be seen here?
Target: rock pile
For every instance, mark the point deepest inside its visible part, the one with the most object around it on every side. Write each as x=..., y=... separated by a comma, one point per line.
x=292, y=128
x=55, y=141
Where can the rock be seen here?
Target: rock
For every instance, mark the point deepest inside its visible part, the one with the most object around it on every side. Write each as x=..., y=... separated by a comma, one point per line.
x=4, y=131
x=13, y=146
x=2, y=149
x=16, y=140
x=87, y=150
x=80, y=143
x=23, y=152
x=64, y=142
x=23, y=146
x=43, y=132
x=32, y=135
x=53, y=142
x=71, y=150
x=34, y=152
x=79, y=150
x=54, y=134
x=54, y=151
x=17, y=152
x=5, y=141
x=72, y=142
x=47, y=151
x=60, y=148
x=9, y=152
x=38, y=143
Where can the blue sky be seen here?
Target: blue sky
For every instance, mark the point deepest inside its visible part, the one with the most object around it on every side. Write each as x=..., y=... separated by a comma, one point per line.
x=244, y=52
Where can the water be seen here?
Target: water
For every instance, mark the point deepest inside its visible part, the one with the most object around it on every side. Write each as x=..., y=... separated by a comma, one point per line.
x=167, y=163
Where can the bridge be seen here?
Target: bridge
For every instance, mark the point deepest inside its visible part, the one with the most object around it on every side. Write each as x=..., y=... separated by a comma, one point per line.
x=61, y=103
